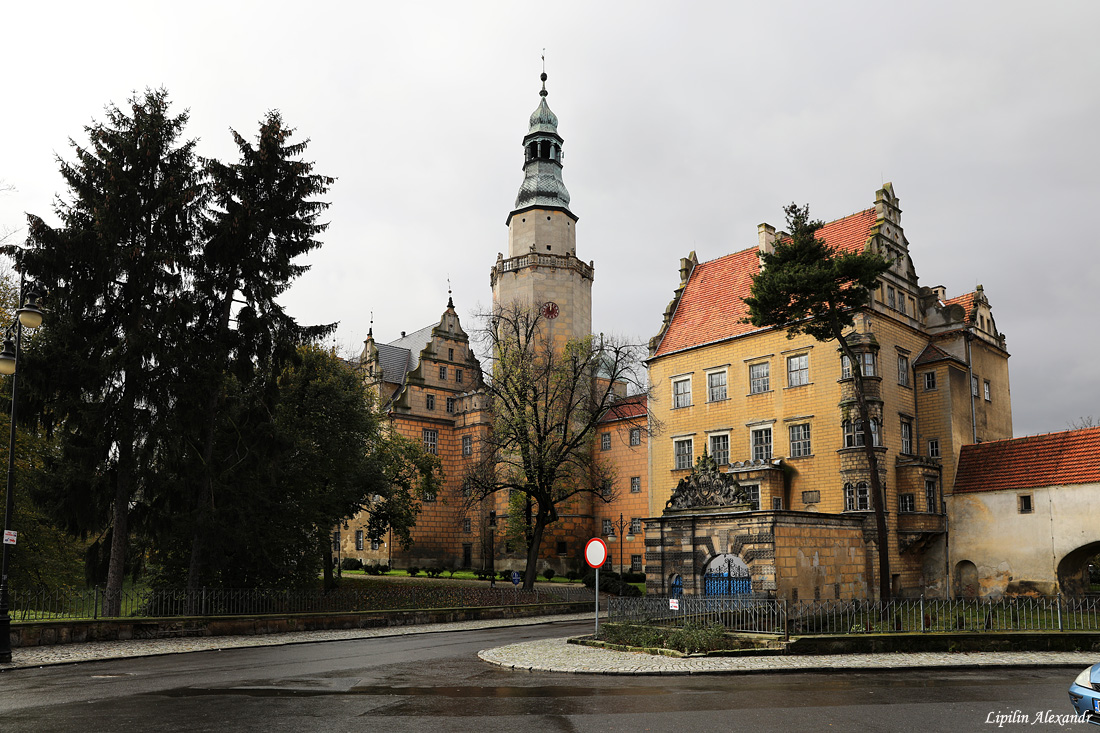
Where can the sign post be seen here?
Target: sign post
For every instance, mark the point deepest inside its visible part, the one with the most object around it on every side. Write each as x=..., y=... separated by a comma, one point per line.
x=595, y=554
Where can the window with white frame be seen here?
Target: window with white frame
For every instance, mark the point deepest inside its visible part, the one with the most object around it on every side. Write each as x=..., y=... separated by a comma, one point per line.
x=800, y=440
x=681, y=451
x=429, y=401
x=450, y=404
x=988, y=391
x=358, y=539
x=720, y=448
x=635, y=526
x=903, y=370
x=752, y=494
x=868, y=363
x=907, y=503
x=375, y=544
x=605, y=441
x=466, y=524
x=845, y=367
x=929, y=380
x=467, y=445
x=635, y=563
x=933, y=448
x=930, y=495
x=974, y=386
x=458, y=376
x=798, y=370
x=607, y=528
x=431, y=441
x=758, y=378
x=681, y=392
x=906, y=437
x=762, y=444
x=857, y=497
x=635, y=436
x=443, y=372
x=853, y=433
x=635, y=484
x=716, y=386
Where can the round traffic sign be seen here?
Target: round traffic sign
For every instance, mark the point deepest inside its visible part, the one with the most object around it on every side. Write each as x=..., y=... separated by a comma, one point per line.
x=595, y=552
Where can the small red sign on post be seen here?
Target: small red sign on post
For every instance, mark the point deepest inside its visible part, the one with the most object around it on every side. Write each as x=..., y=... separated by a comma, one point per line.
x=9, y=536
x=595, y=553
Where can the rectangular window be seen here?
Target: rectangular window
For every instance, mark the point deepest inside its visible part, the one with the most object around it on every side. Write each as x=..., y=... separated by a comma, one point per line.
x=798, y=370
x=853, y=433
x=429, y=496
x=857, y=498
x=607, y=528
x=563, y=547
x=1025, y=503
x=635, y=563
x=375, y=544
x=891, y=296
x=720, y=449
x=974, y=386
x=929, y=380
x=906, y=437
x=467, y=490
x=451, y=404
x=467, y=445
x=758, y=378
x=635, y=526
x=635, y=484
x=800, y=440
x=777, y=503
x=867, y=363
x=358, y=539
x=431, y=441
x=752, y=493
x=903, y=370
x=907, y=503
x=605, y=441
x=901, y=303
x=450, y=354
x=429, y=401
x=681, y=450
x=605, y=490
x=458, y=376
x=930, y=495
x=933, y=448
x=716, y=386
x=762, y=444
x=988, y=391
x=845, y=367
x=681, y=393
x=635, y=436
x=466, y=524
x=442, y=372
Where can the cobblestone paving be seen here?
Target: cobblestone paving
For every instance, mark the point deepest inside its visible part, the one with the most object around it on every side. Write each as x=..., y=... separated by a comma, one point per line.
x=556, y=655
x=548, y=655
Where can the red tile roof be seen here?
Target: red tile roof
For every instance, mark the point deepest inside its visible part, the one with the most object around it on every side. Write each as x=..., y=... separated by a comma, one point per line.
x=966, y=301
x=1053, y=459
x=712, y=306
x=629, y=407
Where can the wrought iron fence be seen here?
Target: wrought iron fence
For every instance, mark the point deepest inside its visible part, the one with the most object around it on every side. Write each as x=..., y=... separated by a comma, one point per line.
x=772, y=616
x=96, y=603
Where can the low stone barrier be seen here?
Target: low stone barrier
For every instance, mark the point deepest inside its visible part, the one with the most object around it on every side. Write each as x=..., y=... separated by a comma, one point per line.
x=44, y=633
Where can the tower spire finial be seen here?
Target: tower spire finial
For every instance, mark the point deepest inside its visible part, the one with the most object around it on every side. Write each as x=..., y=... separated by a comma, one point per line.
x=450, y=300
x=370, y=331
x=543, y=93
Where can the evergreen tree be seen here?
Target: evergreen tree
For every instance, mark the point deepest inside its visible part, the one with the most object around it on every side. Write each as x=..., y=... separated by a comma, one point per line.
x=265, y=217
x=106, y=363
x=806, y=287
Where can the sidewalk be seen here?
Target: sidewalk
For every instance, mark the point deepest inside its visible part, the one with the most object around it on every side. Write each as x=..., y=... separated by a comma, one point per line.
x=551, y=655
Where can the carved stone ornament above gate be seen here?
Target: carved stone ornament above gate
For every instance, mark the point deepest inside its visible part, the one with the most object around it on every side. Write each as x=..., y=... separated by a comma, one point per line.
x=706, y=486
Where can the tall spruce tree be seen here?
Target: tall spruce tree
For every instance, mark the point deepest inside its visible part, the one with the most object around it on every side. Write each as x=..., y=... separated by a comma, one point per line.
x=265, y=216
x=806, y=287
x=105, y=365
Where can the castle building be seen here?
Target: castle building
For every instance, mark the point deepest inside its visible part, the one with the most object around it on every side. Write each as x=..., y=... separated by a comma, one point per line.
x=777, y=415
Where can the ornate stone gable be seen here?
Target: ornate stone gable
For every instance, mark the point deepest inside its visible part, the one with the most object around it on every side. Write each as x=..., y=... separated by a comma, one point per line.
x=706, y=487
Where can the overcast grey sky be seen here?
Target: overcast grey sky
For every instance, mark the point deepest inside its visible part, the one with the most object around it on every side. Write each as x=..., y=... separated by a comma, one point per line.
x=685, y=126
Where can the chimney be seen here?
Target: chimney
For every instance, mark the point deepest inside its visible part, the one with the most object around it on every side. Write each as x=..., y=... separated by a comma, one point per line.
x=766, y=233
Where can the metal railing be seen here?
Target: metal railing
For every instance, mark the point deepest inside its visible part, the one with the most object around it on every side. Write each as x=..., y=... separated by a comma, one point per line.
x=96, y=603
x=920, y=615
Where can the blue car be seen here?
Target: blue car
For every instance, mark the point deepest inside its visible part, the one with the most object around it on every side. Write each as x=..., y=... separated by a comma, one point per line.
x=1084, y=693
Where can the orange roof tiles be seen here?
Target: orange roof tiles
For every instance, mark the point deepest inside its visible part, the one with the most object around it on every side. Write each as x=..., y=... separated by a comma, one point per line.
x=1053, y=459
x=629, y=407
x=966, y=301
x=712, y=308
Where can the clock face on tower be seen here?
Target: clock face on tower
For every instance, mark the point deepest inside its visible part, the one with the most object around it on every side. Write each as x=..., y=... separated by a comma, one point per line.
x=549, y=310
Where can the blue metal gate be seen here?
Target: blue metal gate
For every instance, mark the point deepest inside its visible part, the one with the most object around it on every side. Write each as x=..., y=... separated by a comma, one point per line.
x=726, y=584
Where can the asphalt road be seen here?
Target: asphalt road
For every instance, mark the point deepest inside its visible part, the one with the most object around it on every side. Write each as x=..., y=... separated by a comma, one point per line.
x=434, y=682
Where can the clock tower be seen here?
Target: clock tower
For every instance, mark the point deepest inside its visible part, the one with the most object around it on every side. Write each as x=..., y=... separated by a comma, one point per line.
x=541, y=270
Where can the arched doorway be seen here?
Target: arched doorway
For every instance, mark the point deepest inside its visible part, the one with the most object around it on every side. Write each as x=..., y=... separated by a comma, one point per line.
x=677, y=587
x=1073, y=570
x=727, y=575
x=966, y=579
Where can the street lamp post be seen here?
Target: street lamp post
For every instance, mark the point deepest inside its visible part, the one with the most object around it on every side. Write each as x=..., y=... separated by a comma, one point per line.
x=28, y=315
x=622, y=525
